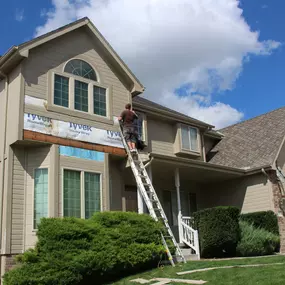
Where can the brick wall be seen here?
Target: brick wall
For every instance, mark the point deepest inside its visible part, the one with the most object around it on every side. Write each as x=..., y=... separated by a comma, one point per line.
x=278, y=201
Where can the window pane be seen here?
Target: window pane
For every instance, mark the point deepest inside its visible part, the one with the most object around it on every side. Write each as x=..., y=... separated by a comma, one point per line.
x=194, y=139
x=99, y=97
x=81, y=96
x=139, y=124
x=61, y=85
x=185, y=138
x=92, y=194
x=80, y=68
x=40, y=195
x=72, y=193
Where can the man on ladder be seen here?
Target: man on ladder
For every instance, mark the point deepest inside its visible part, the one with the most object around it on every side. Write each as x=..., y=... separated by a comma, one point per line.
x=128, y=118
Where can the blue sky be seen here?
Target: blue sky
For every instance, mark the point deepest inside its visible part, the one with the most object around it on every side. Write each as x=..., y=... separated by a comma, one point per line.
x=258, y=89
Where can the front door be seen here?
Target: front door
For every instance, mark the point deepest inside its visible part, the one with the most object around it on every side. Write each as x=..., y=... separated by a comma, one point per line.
x=131, y=198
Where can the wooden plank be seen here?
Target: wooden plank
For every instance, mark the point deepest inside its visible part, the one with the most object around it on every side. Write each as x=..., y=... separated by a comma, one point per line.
x=35, y=136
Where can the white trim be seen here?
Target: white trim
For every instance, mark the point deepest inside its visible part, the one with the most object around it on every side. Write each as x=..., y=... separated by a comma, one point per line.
x=71, y=94
x=33, y=194
x=82, y=189
x=189, y=135
x=83, y=59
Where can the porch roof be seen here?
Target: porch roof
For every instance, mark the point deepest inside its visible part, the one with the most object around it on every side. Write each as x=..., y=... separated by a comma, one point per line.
x=202, y=171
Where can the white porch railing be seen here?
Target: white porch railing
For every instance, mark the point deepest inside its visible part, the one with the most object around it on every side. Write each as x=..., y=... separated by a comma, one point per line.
x=187, y=234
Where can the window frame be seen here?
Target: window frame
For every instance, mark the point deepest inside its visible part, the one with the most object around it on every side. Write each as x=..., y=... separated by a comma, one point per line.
x=70, y=110
x=179, y=146
x=144, y=126
x=33, y=195
x=82, y=189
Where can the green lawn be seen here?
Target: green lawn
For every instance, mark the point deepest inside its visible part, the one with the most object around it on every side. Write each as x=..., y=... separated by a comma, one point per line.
x=274, y=274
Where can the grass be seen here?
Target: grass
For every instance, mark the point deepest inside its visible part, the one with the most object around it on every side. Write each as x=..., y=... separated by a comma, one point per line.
x=267, y=275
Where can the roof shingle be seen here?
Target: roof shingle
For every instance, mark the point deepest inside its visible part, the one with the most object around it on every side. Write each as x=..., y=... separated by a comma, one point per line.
x=252, y=143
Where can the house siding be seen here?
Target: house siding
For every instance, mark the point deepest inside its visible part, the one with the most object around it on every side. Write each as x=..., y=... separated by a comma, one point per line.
x=37, y=157
x=250, y=194
x=161, y=137
x=18, y=201
x=116, y=185
x=53, y=56
x=81, y=165
x=14, y=106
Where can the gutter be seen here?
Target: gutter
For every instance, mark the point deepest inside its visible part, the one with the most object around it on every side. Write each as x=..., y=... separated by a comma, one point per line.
x=200, y=164
x=3, y=155
x=215, y=167
x=6, y=56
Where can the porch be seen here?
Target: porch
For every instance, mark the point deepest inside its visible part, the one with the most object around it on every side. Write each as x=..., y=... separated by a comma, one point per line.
x=182, y=188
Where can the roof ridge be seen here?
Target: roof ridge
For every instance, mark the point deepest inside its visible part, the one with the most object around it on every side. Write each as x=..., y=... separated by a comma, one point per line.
x=250, y=119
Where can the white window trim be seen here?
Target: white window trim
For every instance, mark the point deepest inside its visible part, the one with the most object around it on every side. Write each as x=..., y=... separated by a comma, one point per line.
x=70, y=110
x=189, y=151
x=82, y=193
x=33, y=194
x=144, y=126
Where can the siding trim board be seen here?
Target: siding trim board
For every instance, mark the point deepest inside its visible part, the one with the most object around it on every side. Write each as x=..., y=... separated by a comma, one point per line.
x=34, y=136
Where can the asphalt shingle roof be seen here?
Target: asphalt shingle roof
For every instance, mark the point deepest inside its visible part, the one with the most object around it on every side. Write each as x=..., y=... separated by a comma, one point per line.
x=148, y=103
x=251, y=143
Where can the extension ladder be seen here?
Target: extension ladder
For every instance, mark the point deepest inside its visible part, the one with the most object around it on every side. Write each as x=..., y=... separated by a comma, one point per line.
x=151, y=199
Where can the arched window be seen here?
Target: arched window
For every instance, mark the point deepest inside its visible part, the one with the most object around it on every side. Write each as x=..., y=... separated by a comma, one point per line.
x=77, y=88
x=80, y=68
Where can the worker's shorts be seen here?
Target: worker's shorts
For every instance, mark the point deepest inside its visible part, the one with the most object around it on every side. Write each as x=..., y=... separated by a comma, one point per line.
x=129, y=134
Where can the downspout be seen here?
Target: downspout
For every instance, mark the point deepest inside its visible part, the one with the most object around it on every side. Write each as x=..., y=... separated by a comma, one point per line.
x=3, y=155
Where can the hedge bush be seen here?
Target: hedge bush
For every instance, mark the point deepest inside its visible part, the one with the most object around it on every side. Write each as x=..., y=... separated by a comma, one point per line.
x=219, y=231
x=265, y=220
x=75, y=251
x=256, y=241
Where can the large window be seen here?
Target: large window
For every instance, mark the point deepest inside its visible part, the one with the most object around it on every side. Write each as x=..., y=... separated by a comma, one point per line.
x=81, y=193
x=141, y=128
x=77, y=88
x=189, y=139
x=40, y=195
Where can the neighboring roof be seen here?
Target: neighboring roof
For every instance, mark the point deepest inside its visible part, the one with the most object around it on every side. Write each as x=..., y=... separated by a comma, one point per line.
x=157, y=108
x=17, y=53
x=252, y=143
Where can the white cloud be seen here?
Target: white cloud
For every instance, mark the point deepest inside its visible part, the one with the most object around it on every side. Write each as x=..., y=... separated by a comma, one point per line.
x=169, y=43
x=19, y=15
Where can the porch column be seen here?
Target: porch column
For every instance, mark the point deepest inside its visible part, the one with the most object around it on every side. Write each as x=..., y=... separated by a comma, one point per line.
x=177, y=186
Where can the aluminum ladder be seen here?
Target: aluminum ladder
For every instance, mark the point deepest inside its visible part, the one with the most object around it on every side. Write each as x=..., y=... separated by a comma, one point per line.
x=151, y=199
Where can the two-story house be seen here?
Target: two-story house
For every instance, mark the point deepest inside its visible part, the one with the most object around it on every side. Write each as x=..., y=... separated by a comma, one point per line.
x=61, y=153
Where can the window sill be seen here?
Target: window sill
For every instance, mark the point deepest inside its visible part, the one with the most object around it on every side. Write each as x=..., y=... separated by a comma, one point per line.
x=79, y=114
x=189, y=153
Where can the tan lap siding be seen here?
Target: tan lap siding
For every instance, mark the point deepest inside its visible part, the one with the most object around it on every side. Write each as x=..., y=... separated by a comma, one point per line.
x=18, y=199
x=81, y=165
x=250, y=194
x=37, y=157
x=54, y=55
x=116, y=184
x=161, y=136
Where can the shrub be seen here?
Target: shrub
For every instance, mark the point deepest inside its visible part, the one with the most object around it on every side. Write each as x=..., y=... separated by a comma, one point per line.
x=266, y=220
x=219, y=231
x=256, y=241
x=75, y=251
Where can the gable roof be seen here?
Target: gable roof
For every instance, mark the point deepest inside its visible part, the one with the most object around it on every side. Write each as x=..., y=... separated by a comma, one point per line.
x=151, y=106
x=16, y=53
x=252, y=143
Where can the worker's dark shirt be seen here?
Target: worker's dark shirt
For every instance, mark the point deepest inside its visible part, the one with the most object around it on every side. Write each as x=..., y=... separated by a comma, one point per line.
x=128, y=118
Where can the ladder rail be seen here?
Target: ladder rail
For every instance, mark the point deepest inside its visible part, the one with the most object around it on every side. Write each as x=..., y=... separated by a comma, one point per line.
x=154, y=199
